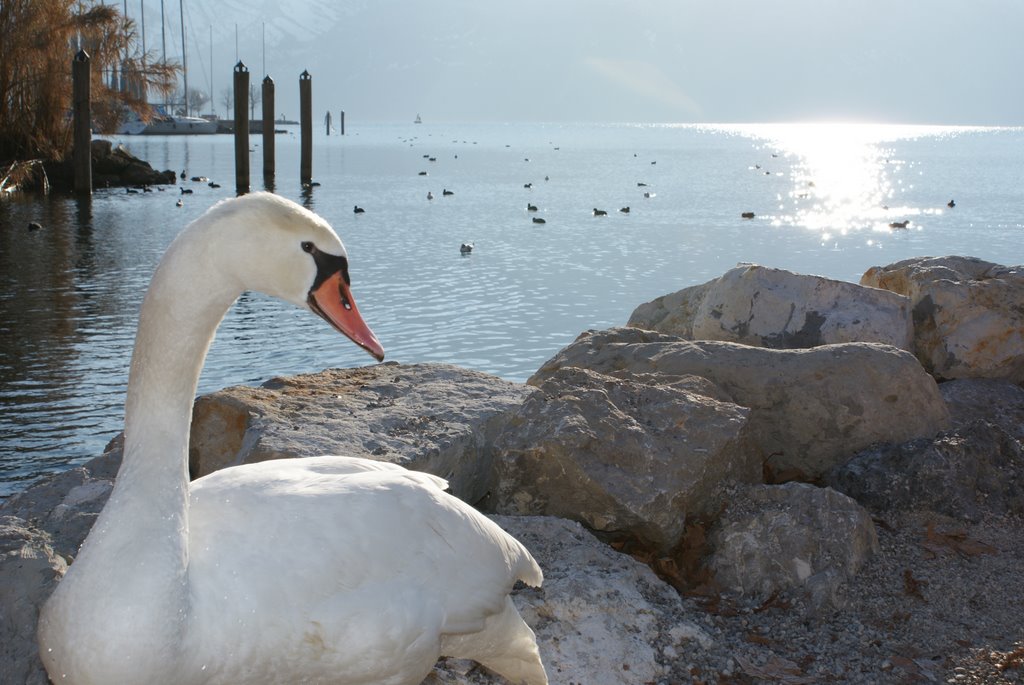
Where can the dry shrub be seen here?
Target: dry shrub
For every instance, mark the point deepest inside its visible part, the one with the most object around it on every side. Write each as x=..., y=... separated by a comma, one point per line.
x=38, y=40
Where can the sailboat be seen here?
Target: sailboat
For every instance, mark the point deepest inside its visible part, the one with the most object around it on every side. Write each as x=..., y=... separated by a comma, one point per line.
x=164, y=123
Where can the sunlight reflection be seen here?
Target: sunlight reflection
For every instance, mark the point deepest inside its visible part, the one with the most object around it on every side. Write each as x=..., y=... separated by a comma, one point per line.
x=845, y=177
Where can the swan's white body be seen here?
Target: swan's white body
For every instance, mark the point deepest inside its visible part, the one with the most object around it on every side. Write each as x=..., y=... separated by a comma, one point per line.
x=322, y=570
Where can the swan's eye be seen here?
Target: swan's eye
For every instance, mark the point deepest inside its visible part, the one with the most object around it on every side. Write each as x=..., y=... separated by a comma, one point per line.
x=308, y=246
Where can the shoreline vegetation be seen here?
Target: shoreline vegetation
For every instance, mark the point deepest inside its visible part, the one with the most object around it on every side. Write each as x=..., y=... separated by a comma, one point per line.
x=38, y=39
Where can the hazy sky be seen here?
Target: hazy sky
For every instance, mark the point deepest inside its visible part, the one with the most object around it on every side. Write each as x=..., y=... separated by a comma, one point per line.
x=903, y=61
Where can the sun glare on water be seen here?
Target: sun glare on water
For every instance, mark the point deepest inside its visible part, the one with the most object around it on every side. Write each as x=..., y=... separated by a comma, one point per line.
x=845, y=177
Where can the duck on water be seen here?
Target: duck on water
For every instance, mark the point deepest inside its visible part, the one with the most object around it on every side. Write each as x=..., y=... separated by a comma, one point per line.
x=326, y=569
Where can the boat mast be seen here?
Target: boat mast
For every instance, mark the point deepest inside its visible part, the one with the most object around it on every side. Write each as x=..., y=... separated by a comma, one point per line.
x=163, y=33
x=212, y=112
x=184, y=65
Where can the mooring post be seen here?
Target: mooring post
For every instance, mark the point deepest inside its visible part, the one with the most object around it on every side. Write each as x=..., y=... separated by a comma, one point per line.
x=81, y=150
x=241, y=129
x=306, y=124
x=342, y=124
x=268, y=130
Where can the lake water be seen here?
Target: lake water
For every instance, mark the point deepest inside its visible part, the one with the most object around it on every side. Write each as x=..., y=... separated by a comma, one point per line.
x=823, y=197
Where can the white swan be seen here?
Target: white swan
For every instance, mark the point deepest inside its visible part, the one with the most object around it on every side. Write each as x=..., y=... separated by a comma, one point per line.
x=321, y=570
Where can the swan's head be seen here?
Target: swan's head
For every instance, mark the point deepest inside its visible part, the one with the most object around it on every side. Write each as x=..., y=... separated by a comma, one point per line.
x=284, y=250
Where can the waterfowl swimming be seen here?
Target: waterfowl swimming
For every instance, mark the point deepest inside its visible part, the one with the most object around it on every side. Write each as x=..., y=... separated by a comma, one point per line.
x=747, y=215
x=531, y=208
x=447, y=192
x=466, y=248
x=951, y=204
x=317, y=570
x=430, y=195
x=624, y=210
x=358, y=210
x=600, y=212
x=179, y=203
x=538, y=220
x=899, y=224
x=185, y=191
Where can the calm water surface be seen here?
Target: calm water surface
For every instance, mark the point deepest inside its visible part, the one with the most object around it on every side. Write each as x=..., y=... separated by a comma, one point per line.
x=823, y=195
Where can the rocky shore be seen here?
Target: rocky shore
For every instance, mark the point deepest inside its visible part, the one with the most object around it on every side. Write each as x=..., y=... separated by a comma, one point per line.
x=767, y=478
x=112, y=167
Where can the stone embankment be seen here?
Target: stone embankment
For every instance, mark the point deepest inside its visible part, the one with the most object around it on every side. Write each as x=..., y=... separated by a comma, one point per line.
x=770, y=477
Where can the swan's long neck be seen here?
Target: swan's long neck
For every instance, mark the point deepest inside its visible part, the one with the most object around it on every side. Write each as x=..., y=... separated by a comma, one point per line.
x=135, y=559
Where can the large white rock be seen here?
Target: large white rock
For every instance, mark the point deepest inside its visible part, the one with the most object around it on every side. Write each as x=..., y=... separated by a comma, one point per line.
x=968, y=314
x=810, y=409
x=757, y=305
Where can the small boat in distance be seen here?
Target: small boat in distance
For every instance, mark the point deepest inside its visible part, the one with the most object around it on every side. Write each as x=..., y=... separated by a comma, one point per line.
x=163, y=124
x=418, y=120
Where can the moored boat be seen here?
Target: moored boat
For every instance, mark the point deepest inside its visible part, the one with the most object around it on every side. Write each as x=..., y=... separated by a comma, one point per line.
x=162, y=124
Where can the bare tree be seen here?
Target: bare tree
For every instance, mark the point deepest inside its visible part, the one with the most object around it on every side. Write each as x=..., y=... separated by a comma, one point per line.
x=196, y=99
x=255, y=96
x=35, y=77
x=227, y=98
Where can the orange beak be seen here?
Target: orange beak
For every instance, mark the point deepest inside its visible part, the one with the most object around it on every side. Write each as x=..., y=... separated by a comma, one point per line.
x=333, y=301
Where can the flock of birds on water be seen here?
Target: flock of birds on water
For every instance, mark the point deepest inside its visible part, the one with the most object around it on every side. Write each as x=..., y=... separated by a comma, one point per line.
x=466, y=248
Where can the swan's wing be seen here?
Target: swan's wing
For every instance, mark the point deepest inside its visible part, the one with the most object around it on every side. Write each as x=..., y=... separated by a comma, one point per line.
x=293, y=470
x=347, y=552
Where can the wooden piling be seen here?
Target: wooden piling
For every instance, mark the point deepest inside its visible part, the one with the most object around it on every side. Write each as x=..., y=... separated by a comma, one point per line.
x=306, y=124
x=268, y=131
x=342, y=122
x=241, y=129
x=81, y=151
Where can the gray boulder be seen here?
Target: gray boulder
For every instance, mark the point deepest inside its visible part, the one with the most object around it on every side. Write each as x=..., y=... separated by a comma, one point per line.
x=765, y=307
x=620, y=455
x=673, y=313
x=966, y=473
x=968, y=314
x=436, y=418
x=795, y=537
x=29, y=570
x=810, y=409
x=988, y=399
x=41, y=529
